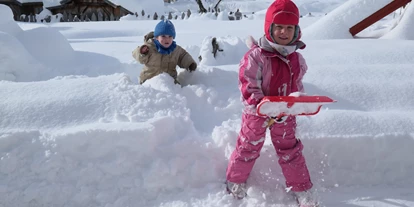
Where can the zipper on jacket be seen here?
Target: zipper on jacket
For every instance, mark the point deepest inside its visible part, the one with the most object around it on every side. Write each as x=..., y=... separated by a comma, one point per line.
x=287, y=61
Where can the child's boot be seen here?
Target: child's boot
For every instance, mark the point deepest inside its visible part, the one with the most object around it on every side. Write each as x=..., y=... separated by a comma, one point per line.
x=238, y=190
x=306, y=199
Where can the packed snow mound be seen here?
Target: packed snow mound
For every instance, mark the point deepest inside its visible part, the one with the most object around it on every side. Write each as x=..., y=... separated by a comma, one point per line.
x=16, y=63
x=42, y=53
x=6, y=14
x=223, y=15
x=315, y=6
x=231, y=50
x=7, y=23
x=48, y=46
x=30, y=51
x=205, y=16
x=109, y=133
x=80, y=104
x=336, y=24
x=405, y=28
x=45, y=13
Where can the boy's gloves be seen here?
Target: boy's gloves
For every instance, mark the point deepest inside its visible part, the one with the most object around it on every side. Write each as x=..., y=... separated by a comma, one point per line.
x=148, y=36
x=192, y=67
x=144, y=50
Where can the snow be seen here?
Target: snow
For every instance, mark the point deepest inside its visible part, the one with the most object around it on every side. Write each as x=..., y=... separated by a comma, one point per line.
x=51, y=3
x=403, y=30
x=76, y=128
x=235, y=49
x=149, y=6
x=336, y=24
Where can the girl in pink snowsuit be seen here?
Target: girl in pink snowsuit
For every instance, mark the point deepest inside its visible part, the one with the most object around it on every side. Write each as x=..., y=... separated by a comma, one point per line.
x=271, y=67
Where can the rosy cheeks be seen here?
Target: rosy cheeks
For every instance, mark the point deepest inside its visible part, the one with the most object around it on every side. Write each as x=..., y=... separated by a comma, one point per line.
x=283, y=34
x=165, y=40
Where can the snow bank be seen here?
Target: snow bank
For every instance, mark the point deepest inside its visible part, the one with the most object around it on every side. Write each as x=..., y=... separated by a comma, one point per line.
x=203, y=16
x=42, y=52
x=233, y=50
x=103, y=129
x=101, y=164
x=105, y=141
x=45, y=13
x=48, y=46
x=317, y=7
x=7, y=23
x=17, y=64
x=334, y=73
x=77, y=103
x=336, y=24
x=6, y=14
x=405, y=28
x=51, y=3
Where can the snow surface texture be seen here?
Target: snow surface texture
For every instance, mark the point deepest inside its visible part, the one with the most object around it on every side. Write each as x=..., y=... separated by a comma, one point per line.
x=85, y=133
x=404, y=30
x=336, y=24
x=231, y=50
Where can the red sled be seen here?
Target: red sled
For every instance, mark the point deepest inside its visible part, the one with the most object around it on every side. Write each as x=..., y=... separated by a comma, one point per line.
x=280, y=106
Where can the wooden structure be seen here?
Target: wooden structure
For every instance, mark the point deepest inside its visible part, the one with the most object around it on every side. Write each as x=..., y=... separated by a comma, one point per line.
x=89, y=10
x=71, y=10
x=26, y=9
x=386, y=10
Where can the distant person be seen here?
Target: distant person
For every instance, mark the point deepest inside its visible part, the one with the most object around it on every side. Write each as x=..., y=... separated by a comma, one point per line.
x=238, y=14
x=160, y=53
x=272, y=67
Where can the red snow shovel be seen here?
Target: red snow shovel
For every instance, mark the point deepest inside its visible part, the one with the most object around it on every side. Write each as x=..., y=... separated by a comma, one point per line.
x=280, y=107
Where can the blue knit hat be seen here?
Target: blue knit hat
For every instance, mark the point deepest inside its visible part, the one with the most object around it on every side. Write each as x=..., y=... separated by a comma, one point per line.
x=164, y=27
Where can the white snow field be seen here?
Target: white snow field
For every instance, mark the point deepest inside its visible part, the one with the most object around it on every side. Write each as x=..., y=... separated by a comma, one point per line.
x=76, y=128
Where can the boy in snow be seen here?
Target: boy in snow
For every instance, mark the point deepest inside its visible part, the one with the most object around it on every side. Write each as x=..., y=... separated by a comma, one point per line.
x=272, y=67
x=160, y=53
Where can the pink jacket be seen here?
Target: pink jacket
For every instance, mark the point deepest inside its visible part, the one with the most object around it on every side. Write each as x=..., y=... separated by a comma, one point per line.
x=265, y=72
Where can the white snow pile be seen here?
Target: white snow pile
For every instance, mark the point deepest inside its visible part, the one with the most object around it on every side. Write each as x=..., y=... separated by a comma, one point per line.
x=42, y=53
x=65, y=169
x=7, y=23
x=85, y=134
x=204, y=16
x=404, y=30
x=232, y=50
x=48, y=46
x=336, y=24
x=17, y=63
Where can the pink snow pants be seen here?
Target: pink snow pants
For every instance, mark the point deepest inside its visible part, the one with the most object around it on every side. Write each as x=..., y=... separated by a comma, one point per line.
x=289, y=150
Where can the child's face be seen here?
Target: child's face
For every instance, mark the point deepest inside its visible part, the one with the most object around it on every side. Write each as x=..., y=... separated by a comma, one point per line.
x=165, y=40
x=283, y=34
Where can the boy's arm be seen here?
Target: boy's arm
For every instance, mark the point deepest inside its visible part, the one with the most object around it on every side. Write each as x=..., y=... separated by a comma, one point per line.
x=141, y=54
x=250, y=79
x=186, y=61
